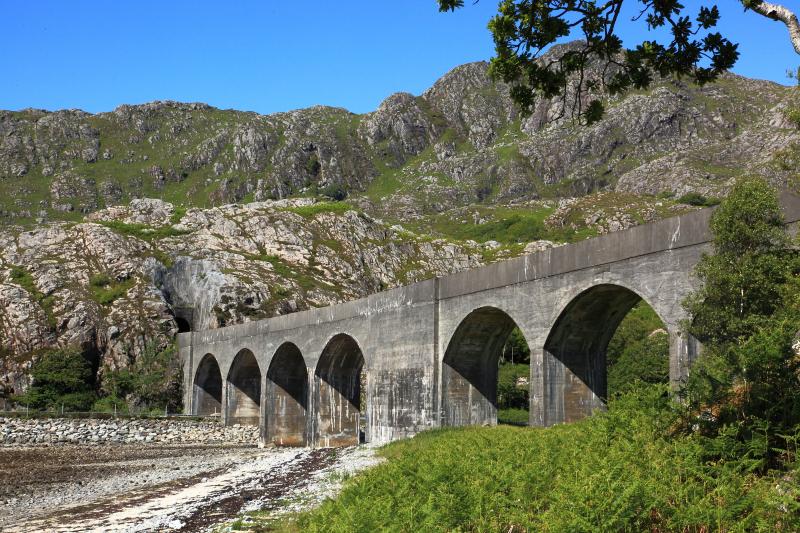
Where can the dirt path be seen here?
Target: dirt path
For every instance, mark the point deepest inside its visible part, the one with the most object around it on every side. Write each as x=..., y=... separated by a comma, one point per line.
x=161, y=488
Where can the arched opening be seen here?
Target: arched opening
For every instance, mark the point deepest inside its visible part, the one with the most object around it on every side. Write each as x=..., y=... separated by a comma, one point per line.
x=339, y=378
x=638, y=353
x=244, y=390
x=470, y=367
x=513, y=381
x=184, y=318
x=576, y=351
x=183, y=325
x=207, y=387
x=287, y=397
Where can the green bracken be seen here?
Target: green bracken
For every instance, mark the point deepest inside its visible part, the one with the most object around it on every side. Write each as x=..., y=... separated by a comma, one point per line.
x=618, y=471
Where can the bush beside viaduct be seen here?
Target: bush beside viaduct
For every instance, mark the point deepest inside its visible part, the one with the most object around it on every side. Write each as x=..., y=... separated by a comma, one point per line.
x=398, y=362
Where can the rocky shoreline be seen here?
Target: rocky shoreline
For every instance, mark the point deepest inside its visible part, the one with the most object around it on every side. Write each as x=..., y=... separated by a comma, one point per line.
x=39, y=431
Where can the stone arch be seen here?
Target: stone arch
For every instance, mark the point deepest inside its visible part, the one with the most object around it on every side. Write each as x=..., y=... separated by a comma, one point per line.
x=338, y=393
x=575, y=350
x=244, y=390
x=287, y=397
x=469, y=368
x=207, y=394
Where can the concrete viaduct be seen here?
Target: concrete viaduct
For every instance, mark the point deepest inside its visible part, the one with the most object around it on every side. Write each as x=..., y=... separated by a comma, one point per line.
x=425, y=355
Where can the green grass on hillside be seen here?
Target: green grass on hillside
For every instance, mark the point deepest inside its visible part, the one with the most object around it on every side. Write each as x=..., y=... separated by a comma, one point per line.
x=24, y=279
x=142, y=231
x=309, y=211
x=502, y=224
x=105, y=290
x=617, y=471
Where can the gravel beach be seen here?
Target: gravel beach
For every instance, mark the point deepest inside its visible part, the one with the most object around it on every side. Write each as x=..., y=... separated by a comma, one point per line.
x=162, y=487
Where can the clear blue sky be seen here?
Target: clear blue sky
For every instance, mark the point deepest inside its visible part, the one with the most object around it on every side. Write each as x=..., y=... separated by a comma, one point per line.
x=271, y=56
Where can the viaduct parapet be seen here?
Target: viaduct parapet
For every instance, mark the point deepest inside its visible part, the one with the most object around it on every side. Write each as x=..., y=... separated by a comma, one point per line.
x=425, y=355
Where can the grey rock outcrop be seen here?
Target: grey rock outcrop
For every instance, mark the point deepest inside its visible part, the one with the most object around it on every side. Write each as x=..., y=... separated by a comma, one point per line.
x=128, y=278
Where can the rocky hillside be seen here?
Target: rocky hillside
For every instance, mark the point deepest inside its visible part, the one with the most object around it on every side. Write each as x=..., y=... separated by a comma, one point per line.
x=458, y=143
x=120, y=229
x=128, y=278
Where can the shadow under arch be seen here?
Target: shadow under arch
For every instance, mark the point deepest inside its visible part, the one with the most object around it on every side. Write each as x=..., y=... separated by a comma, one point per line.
x=244, y=390
x=207, y=393
x=338, y=393
x=575, y=351
x=287, y=397
x=470, y=368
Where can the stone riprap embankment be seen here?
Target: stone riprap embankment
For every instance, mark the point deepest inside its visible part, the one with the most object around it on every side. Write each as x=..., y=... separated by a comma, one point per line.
x=21, y=431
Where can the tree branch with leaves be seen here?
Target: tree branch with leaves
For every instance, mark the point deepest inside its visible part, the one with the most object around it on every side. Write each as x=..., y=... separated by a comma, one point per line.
x=524, y=30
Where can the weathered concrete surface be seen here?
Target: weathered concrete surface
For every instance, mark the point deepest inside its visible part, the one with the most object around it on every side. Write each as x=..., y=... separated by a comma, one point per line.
x=428, y=351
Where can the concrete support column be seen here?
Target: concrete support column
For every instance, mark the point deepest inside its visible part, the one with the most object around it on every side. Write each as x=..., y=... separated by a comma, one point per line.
x=262, y=413
x=537, y=403
x=563, y=392
x=225, y=395
x=312, y=412
x=365, y=404
x=683, y=350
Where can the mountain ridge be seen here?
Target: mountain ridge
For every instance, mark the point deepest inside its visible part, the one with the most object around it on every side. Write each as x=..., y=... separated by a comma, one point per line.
x=56, y=163
x=117, y=230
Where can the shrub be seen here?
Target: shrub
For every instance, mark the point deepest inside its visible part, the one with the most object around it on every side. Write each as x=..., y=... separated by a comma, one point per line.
x=105, y=289
x=617, y=471
x=61, y=377
x=336, y=191
x=154, y=380
x=697, y=199
x=24, y=279
x=638, y=352
x=100, y=280
x=110, y=404
x=509, y=394
x=742, y=391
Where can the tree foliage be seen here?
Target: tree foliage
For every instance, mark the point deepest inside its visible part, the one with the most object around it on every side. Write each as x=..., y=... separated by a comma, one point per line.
x=512, y=386
x=638, y=353
x=515, y=349
x=61, y=377
x=744, y=279
x=153, y=381
x=744, y=391
x=523, y=30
